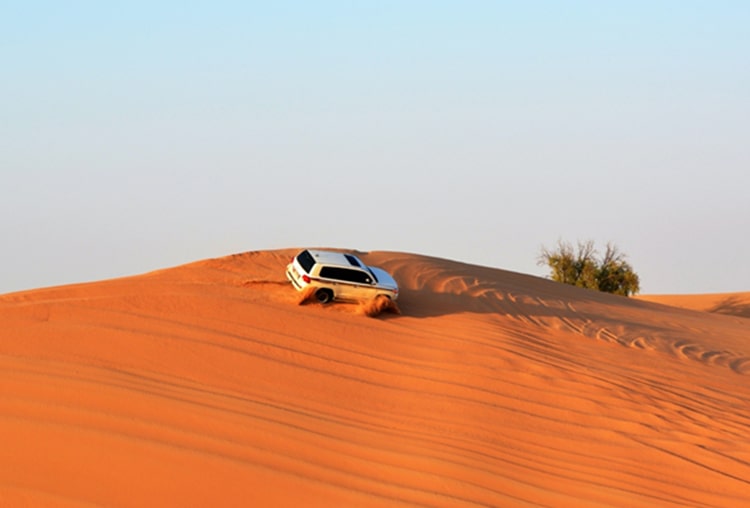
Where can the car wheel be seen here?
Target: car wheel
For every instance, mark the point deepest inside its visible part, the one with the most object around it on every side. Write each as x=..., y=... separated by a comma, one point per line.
x=324, y=295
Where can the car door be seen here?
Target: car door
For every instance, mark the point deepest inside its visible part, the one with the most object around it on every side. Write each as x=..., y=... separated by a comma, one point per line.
x=358, y=284
x=330, y=276
x=347, y=283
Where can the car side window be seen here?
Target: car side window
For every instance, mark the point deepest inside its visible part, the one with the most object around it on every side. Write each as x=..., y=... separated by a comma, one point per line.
x=332, y=272
x=360, y=277
x=344, y=274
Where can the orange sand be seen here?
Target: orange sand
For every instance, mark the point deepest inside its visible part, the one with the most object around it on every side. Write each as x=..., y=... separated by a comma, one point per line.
x=208, y=385
x=732, y=304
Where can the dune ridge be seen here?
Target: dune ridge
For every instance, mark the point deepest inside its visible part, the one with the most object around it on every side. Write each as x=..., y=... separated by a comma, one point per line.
x=731, y=304
x=207, y=384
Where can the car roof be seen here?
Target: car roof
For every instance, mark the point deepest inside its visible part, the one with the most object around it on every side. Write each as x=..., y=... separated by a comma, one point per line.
x=327, y=257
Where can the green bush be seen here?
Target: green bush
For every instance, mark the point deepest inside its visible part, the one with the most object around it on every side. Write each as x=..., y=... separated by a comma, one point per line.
x=582, y=268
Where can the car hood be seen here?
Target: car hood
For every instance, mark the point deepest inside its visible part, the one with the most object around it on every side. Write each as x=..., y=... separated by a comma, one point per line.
x=384, y=278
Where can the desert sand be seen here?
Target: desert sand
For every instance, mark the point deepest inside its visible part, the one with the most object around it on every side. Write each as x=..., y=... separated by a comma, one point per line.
x=731, y=304
x=208, y=385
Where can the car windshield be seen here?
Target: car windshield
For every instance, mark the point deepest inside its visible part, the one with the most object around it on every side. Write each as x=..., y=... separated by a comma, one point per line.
x=373, y=275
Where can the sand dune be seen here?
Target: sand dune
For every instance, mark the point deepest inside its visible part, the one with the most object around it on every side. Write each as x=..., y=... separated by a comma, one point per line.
x=731, y=304
x=207, y=385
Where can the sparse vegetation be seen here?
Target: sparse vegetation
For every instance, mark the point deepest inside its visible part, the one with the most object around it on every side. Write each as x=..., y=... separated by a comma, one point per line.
x=582, y=268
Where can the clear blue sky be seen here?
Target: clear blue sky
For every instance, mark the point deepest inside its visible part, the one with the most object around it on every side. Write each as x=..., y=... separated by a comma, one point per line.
x=138, y=135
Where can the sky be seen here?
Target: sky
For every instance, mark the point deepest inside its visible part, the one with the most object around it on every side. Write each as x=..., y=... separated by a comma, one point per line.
x=136, y=136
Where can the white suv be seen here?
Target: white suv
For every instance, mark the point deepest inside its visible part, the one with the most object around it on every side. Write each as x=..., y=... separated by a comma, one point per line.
x=339, y=276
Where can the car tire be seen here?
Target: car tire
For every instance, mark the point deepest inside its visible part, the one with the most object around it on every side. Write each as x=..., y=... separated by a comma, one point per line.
x=324, y=295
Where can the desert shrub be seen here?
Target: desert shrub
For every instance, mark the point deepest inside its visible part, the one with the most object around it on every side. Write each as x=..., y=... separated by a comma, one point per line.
x=583, y=268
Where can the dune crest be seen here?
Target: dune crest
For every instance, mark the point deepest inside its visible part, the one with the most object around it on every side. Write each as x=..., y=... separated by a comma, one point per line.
x=207, y=384
x=730, y=304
